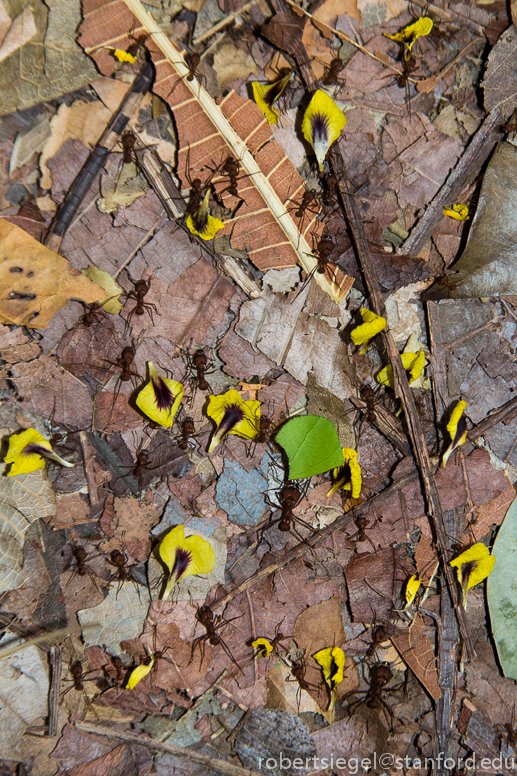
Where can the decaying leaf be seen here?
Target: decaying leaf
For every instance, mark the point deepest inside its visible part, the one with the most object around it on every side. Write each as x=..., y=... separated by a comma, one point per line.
x=499, y=83
x=487, y=266
x=500, y=591
x=417, y=651
x=120, y=616
x=23, y=695
x=35, y=281
x=23, y=499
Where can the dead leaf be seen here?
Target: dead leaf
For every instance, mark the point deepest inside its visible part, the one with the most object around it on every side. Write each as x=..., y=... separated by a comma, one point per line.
x=417, y=652
x=82, y=121
x=499, y=83
x=119, y=617
x=35, y=281
x=23, y=499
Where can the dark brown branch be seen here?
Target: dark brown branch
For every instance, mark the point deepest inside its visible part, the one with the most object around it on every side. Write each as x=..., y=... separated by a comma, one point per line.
x=466, y=170
x=56, y=664
x=118, y=122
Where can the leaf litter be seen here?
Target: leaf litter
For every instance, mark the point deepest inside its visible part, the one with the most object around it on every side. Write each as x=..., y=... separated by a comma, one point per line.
x=308, y=573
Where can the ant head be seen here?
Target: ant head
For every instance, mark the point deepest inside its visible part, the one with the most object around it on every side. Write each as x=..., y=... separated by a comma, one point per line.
x=199, y=359
x=289, y=497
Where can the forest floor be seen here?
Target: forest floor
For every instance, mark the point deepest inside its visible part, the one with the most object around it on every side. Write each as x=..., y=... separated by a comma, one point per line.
x=306, y=569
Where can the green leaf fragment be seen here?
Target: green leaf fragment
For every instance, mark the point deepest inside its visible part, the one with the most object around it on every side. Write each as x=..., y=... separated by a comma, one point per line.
x=502, y=593
x=312, y=446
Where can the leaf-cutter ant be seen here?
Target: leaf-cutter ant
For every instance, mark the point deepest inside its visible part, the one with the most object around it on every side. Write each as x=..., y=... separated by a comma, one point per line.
x=212, y=624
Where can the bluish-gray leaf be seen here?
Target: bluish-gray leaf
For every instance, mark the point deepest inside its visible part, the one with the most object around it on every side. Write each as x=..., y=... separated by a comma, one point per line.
x=241, y=494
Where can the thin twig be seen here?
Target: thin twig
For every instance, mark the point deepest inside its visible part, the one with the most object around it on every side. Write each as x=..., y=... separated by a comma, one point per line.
x=56, y=663
x=222, y=24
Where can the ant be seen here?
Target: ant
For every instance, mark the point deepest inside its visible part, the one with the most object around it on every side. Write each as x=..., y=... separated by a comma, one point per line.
x=231, y=167
x=212, y=623
x=361, y=522
x=379, y=676
x=80, y=567
x=322, y=253
x=369, y=397
x=330, y=190
x=379, y=634
x=78, y=677
x=188, y=429
x=191, y=61
x=92, y=314
x=140, y=290
x=288, y=498
x=305, y=206
x=332, y=71
x=128, y=141
x=125, y=363
x=200, y=363
x=120, y=561
x=108, y=680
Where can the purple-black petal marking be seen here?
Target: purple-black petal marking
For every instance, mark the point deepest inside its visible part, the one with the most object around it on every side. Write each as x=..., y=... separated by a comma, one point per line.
x=182, y=560
x=164, y=397
x=233, y=414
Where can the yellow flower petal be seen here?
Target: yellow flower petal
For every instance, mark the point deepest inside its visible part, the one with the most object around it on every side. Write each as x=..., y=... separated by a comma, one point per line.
x=457, y=428
x=413, y=363
x=322, y=124
x=472, y=567
x=264, y=646
x=233, y=415
x=348, y=476
x=373, y=324
x=27, y=452
x=266, y=94
x=202, y=223
x=138, y=673
x=160, y=398
x=123, y=56
x=458, y=212
x=332, y=662
x=412, y=587
x=412, y=32
x=185, y=556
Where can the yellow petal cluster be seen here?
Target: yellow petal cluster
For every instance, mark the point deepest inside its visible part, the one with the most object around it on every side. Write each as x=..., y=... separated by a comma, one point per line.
x=457, y=428
x=472, y=567
x=266, y=94
x=232, y=415
x=263, y=646
x=372, y=325
x=411, y=33
x=322, y=124
x=185, y=557
x=202, y=223
x=160, y=398
x=348, y=476
x=458, y=212
x=413, y=363
x=26, y=451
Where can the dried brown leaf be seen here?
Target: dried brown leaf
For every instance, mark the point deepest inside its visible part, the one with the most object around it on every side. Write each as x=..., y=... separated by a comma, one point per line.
x=35, y=281
x=417, y=651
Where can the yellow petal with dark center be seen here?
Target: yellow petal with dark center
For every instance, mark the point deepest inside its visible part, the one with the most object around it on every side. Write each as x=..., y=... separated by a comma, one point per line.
x=233, y=415
x=332, y=662
x=472, y=567
x=412, y=587
x=160, y=398
x=185, y=556
x=202, y=223
x=27, y=452
x=266, y=94
x=322, y=124
x=348, y=476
